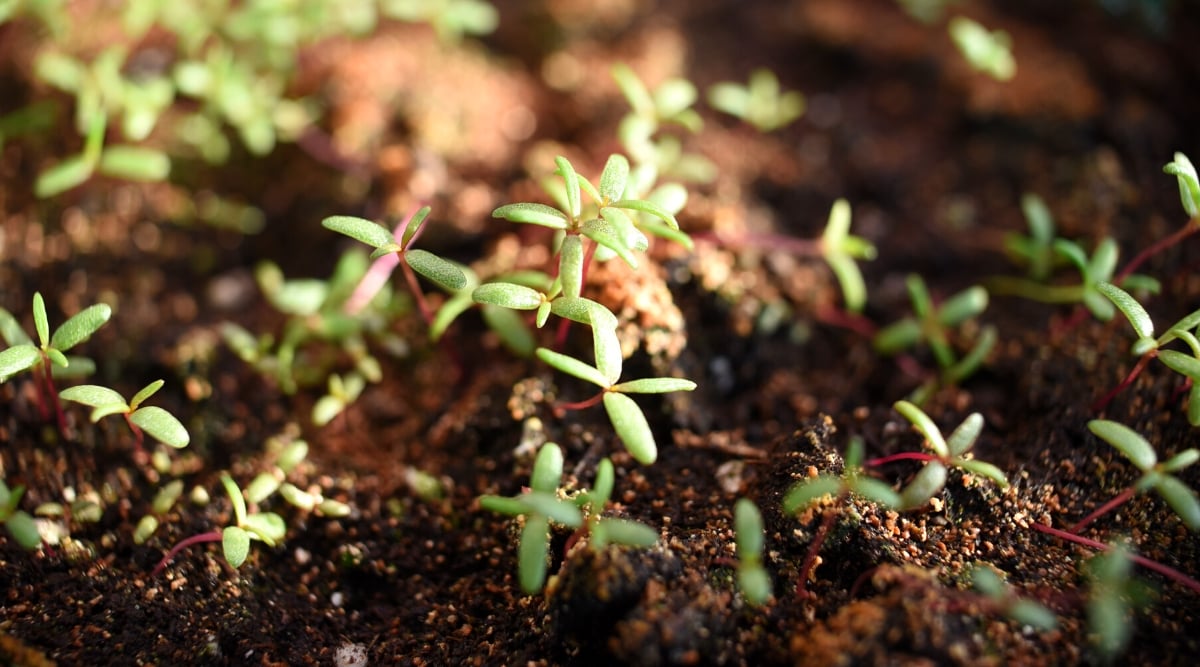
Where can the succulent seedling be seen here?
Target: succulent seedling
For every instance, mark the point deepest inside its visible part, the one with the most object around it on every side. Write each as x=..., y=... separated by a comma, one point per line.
x=604, y=530
x=1157, y=476
x=1189, y=195
x=41, y=359
x=1022, y=610
x=639, y=131
x=760, y=102
x=160, y=424
x=19, y=524
x=987, y=51
x=752, y=578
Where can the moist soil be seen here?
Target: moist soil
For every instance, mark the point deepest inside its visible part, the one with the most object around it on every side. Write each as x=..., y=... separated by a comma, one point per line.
x=934, y=159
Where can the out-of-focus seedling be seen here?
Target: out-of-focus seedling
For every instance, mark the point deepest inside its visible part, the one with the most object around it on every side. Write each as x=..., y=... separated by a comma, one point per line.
x=760, y=102
x=639, y=131
x=160, y=424
x=987, y=51
x=752, y=578
x=19, y=524
x=1022, y=610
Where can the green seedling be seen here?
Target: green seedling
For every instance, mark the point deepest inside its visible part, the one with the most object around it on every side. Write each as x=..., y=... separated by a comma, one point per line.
x=20, y=524
x=160, y=424
x=760, y=102
x=1024, y=611
x=852, y=480
x=450, y=19
x=42, y=359
x=1189, y=196
x=1111, y=597
x=987, y=51
x=1148, y=347
x=752, y=578
x=946, y=453
x=640, y=130
x=602, y=531
x=343, y=391
x=931, y=325
x=1036, y=250
x=412, y=261
x=163, y=502
x=1160, y=477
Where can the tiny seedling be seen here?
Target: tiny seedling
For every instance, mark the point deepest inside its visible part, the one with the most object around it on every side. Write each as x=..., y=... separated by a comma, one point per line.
x=19, y=523
x=163, y=501
x=931, y=325
x=1112, y=595
x=160, y=424
x=1036, y=250
x=602, y=530
x=760, y=102
x=1189, y=195
x=1157, y=476
x=806, y=492
x=640, y=130
x=42, y=359
x=987, y=51
x=1024, y=611
x=951, y=452
x=752, y=578
x=1148, y=347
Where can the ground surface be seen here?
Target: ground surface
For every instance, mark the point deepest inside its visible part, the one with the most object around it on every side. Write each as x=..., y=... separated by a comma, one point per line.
x=932, y=157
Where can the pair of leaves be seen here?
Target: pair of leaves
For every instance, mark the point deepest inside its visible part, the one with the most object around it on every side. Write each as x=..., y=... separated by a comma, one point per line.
x=840, y=248
x=24, y=354
x=267, y=527
x=440, y=271
x=1155, y=475
x=156, y=421
x=948, y=453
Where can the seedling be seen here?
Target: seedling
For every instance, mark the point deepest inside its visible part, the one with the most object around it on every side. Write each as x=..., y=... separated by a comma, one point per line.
x=413, y=261
x=1024, y=611
x=163, y=501
x=41, y=359
x=639, y=131
x=987, y=51
x=752, y=578
x=760, y=102
x=1189, y=195
x=602, y=530
x=19, y=524
x=931, y=325
x=1148, y=347
x=1037, y=249
x=1110, y=600
x=852, y=480
x=1157, y=476
x=160, y=424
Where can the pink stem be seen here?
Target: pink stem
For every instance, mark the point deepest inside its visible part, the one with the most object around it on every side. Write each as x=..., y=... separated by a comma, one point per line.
x=1107, y=507
x=579, y=405
x=1104, y=400
x=902, y=456
x=1169, y=572
x=214, y=536
x=813, y=549
x=1191, y=227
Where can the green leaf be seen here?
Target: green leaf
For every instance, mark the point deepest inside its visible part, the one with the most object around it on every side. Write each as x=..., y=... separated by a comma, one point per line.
x=876, y=491
x=584, y=311
x=1189, y=185
x=1181, y=460
x=235, y=543
x=1143, y=326
x=1135, y=448
x=748, y=527
x=754, y=583
x=261, y=488
x=850, y=279
x=571, y=181
x=102, y=411
x=145, y=529
x=613, y=178
x=292, y=455
x=924, y=486
x=146, y=392
x=58, y=357
x=534, y=214
x=625, y=532
x=964, y=437
x=502, y=505
x=24, y=530
x=446, y=274
x=933, y=435
x=161, y=425
x=166, y=497
x=984, y=469
x=95, y=396
x=414, y=225
x=1182, y=499
x=296, y=497
x=963, y=306
x=267, y=526
x=16, y=359
x=12, y=333
x=654, y=386
x=532, y=553
x=507, y=295
x=631, y=426
x=81, y=326
x=235, y=498
x=547, y=469
x=607, y=349
x=63, y=176
x=40, y=322
x=76, y=368
x=564, y=512
x=135, y=163
x=600, y=231
x=897, y=336
x=572, y=366
x=602, y=488
x=359, y=229
x=633, y=89
x=805, y=492
x=650, y=208
x=570, y=265
x=512, y=329
x=1181, y=363
x=299, y=297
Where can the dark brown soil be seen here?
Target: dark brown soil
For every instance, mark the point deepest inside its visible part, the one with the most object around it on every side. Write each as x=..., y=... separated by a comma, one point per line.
x=933, y=158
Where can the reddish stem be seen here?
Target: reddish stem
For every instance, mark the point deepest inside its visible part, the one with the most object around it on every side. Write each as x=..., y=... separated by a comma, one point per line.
x=1104, y=400
x=901, y=456
x=847, y=320
x=413, y=286
x=1169, y=572
x=1191, y=227
x=52, y=393
x=813, y=549
x=579, y=405
x=1107, y=507
x=213, y=536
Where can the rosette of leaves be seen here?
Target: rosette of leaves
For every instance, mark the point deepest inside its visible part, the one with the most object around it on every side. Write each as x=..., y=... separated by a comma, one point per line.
x=1156, y=476
x=160, y=424
x=760, y=102
x=932, y=326
x=19, y=524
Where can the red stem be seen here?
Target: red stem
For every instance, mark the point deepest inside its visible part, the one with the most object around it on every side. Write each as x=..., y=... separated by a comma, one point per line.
x=214, y=536
x=1191, y=227
x=579, y=405
x=901, y=456
x=1104, y=400
x=1169, y=572
x=413, y=286
x=52, y=393
x=1107, y=507
x=813, y=550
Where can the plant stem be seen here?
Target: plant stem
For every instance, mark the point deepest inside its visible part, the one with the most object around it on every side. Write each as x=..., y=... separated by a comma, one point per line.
x=1104, y=400
x=579, y=405
x=901, y=456
x=813, y=549
x=47, y=377
x=1107, y=507
x=1189, y=228
x=1169, y=572
x=213, y=536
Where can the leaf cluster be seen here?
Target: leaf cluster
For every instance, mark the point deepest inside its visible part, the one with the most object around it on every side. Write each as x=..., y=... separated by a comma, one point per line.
x=24, y=354
x=760, y=102
x=1160, y=477
x=159, y=423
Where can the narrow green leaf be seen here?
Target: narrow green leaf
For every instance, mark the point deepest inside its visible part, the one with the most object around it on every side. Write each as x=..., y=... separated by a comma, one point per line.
x=984, y=469
x=1189, y=185
x=63, y=176
x=875, y=490
x=754, y=583
x=80, y=327
x=17, y=359
x=266, y=526
x=414, y=225
x=40, y=322
x=446, y=274
x=359, y=229
x=292, y=455
x=748, y=527
x=547, y=469
x=166, y=497
x=58, y=358
x=627, y=532
x=145, y=529
x=1182, y=499
x=161, y=425
x=563, y=512
x=838, y=226
x=634, y=90
x=146, y=392
x=507, y=295
x=1181, y=363
x=631, y=426
x=613, y=178
x=24, y=530
x=532, y=552
x=235, y=543
x=805, y=492
x=135, y=163
x=261, y=488
x=1143, y=326
x=299, y=297
x=897, y=336
x=850, y=279
x=296, y=497
x=963, y=438
x=584, y=311
x=235, y=498
x=12, y=333
x=924, y=486
x=511, y=328
x=502, y=505
x=607, y=349
x=533, y=214
x=570, y=265
x=1135, y=448
x=650, y=208
x=917, y=417
x=600, y=231
x=571, y=181
x=654, y=386
x=1181, y=460
x=94, y=395
x=602, y=488
x=572, y=366
x=963, y=306
x=445, y=316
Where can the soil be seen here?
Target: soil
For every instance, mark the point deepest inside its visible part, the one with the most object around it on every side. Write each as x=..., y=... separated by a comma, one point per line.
x=933, y=158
